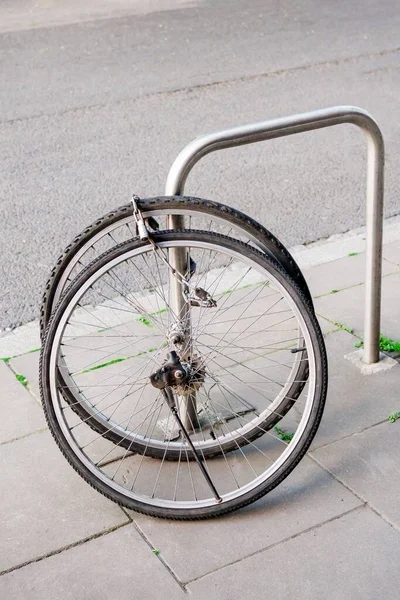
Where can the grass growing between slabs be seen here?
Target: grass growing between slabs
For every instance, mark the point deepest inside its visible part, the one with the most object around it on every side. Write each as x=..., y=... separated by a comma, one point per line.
x=344, y=327
x=144, y=320
x=6, y=359
x=394, y=417
x=22, y=379
x=385, y=344
x=114, y=361
x=283, y=435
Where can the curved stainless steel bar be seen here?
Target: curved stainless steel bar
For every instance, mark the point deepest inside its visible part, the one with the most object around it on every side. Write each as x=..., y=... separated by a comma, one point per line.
x=318, y=119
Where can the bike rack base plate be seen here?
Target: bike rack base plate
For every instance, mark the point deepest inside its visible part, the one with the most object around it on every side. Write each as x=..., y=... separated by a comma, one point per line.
x=385, y=363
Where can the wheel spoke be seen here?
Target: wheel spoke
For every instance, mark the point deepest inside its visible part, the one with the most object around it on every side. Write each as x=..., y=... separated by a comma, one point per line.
x=121, y=373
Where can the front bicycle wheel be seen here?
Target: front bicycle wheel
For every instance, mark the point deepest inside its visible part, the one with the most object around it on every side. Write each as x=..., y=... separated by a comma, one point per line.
x=112, y=332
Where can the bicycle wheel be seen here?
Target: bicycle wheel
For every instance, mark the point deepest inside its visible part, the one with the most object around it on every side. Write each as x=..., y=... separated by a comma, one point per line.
x=110, y=337
x=119, y=225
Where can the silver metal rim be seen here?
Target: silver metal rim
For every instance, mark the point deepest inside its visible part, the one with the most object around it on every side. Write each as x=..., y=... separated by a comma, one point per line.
x=209, y=444
x=126, y=221
x=158, y=502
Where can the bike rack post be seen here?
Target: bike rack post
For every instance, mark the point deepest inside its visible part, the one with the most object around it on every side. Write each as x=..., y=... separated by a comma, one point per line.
x=318, y=119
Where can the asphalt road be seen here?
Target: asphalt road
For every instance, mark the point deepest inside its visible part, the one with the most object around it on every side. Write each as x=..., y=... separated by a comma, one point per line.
x=98, y=97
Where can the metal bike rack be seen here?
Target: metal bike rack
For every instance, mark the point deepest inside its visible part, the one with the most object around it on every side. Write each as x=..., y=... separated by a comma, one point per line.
x=318, y=119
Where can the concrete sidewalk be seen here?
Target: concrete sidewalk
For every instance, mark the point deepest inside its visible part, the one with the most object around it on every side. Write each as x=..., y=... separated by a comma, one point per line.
x=330, y=530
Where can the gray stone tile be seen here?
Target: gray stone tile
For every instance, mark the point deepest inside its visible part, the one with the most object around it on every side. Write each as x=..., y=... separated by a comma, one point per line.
x=354, y=557
x=327, y=326
x=44, y=504
x=28, y=365
x=20, y=414
x=391, y=252
x=117, y=565
x=341, y=274
x=369, y=464
x=354, y=401
x=307, y=497
x=348, y=307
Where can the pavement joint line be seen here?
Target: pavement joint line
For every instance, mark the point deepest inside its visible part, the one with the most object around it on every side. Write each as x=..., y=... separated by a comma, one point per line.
x=159, y=556
x=128, y=516
x=332, y=249
x=346, y=437
x=331, y=332
x=338, y=328
x=356, y=494
x=392, y=262
x=27, y=386
x=65, y=548
x=355, y=285
x=288, y=539
x=111, y=461
x=22, y=437
x=323, y=295
x=201, y=86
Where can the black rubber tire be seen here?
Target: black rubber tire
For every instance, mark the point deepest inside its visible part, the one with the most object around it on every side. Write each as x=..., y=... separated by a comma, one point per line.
x=268, y=242
x=113, y=436
x=321, y=375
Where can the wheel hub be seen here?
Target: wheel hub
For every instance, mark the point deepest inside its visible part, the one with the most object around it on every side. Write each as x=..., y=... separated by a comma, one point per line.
x=186, y=376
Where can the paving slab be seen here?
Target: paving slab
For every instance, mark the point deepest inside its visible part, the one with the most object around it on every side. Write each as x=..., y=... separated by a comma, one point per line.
x=391, y=252
x=44, y=504
x=117, y=565
x=341, y=274
x=326, y=325
x=20, y=414
x=355, y=556
x=309, y=496
x=347, y=307
x=368, y=463
x=28, y=365
x=355, y=401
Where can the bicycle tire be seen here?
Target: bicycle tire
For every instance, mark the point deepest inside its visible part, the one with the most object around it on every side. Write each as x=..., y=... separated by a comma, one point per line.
x=311, y=423
x=264, y=239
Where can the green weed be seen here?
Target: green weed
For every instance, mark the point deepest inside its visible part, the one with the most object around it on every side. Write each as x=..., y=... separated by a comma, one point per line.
x=158, y=312
x=143, y=320
x=343, y=327
x=284, y=436
x=22, y=379
x=385, y=344
x=248, y=285
x=394, y=416
x=114, y=361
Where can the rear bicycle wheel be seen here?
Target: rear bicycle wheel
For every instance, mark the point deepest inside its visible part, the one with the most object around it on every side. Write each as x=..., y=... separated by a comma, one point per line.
x=119, y=225
x=106, y=340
